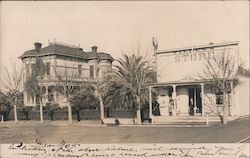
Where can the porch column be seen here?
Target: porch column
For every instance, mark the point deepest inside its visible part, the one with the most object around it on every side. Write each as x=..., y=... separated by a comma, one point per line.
x=46, y=94
x=202, y=99
x=55, y=64
x=174, y=98
x=150, y=102
x=231, y=105
x=64, y=95
x=25, y=98
x=195, y=106
x=54, y=95
x=33, y=99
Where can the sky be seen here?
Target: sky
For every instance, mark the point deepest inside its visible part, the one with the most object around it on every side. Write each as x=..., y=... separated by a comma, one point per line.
x=122, y=25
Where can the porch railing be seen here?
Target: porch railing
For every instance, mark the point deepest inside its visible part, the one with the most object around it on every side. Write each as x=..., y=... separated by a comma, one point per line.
x=50, y=78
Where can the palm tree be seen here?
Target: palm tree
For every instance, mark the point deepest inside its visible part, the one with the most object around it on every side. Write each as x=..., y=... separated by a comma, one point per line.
x=118, y=97
x=134, y=74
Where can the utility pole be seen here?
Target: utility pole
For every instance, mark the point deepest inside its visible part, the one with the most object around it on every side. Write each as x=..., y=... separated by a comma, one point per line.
x=155, y=47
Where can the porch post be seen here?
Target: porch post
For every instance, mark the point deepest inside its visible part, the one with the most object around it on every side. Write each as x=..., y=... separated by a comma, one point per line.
x=231, y=105
x=34, y=99
x=174, y=98
x=25, y=98
x=195, y=106
x=150, y=102
x=54, y=95
x=46, y=94
x=202, y=99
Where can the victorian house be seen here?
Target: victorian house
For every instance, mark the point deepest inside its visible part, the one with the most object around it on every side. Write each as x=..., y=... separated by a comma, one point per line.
x=63, y=62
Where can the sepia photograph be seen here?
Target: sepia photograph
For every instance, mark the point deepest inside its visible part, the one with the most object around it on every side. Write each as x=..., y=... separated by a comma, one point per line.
x=124, y=79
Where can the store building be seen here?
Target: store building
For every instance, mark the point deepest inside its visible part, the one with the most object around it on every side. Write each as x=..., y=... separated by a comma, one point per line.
x=63, y=62
x=183, y=89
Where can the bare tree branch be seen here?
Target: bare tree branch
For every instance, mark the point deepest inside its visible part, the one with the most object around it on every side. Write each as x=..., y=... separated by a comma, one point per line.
x=221, y=70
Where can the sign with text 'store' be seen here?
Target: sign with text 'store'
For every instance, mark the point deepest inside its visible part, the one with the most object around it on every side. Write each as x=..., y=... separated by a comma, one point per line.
x=187, y=65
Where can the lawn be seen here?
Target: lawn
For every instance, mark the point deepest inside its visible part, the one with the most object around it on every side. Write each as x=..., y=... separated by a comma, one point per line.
x=47, y=133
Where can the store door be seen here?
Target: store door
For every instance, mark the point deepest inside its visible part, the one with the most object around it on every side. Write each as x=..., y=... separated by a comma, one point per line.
x=195, y=101
x=191, y=101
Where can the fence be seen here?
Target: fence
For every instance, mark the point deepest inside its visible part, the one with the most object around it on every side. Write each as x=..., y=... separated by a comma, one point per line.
x=56, y=115
x=120, y=113
x=83, y=114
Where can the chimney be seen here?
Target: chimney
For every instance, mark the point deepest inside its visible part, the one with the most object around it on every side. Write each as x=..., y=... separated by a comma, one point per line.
x=94, y=49
x=38, y=46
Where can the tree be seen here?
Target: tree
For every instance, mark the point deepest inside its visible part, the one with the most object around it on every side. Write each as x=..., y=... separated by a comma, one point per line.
x=98, y=88
x=118, y=97
x=71, y=81
x=5, y=105
x=134, y=73
x=222, y=71
x=12, y=80
x=67, y=83
x=32, y=84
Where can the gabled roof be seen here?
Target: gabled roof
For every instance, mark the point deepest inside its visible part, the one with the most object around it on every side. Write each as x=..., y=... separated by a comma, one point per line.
x=64, y=50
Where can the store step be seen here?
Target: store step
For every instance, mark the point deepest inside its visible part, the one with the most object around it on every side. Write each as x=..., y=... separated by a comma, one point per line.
x=184, y=120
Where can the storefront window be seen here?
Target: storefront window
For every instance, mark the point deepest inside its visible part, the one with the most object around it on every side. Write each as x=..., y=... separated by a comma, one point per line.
x=170, y=91
x=219, y=99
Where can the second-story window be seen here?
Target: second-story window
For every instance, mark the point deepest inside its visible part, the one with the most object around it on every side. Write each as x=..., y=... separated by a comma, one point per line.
x=97, y=72
x=50, y=94
x=91, y=71
x=80, y=70
x=47, y=68
x=33, y=69
x=27, y=69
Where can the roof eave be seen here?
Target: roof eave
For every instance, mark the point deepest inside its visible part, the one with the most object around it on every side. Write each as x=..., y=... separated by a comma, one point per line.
x=197, y=47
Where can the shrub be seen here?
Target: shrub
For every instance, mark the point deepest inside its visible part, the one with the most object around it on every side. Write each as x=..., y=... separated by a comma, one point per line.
x=5, y=106
x=50, y=109
x=26, y=111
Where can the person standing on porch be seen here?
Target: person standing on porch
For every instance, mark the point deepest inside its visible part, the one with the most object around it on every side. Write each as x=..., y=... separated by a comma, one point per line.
x=191, y=107
x=171, y=107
